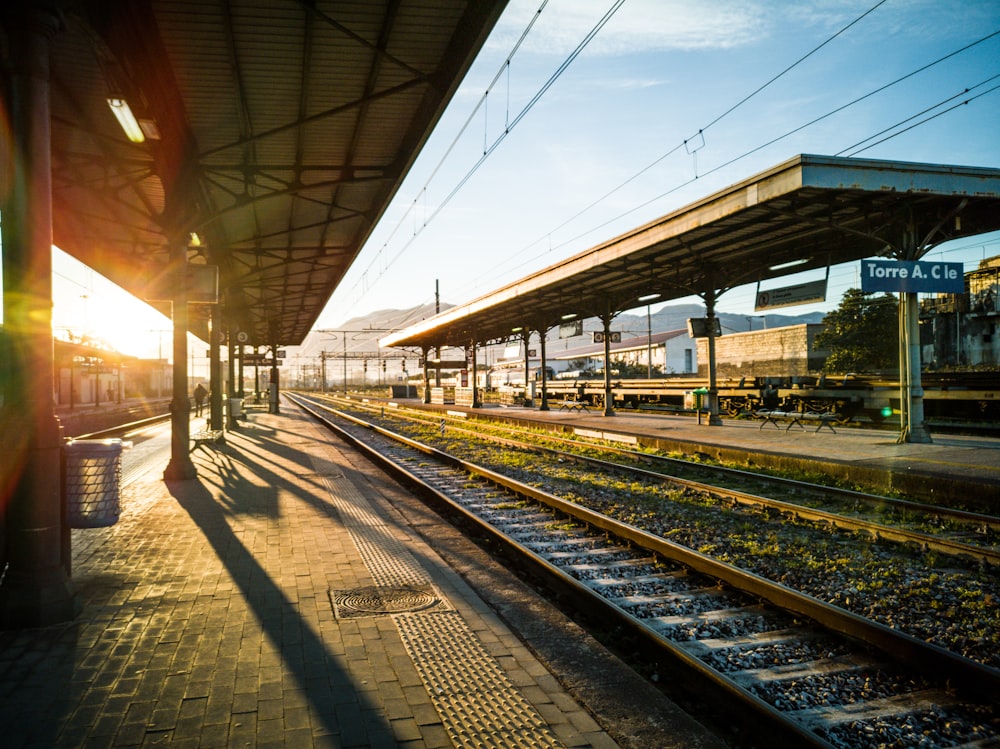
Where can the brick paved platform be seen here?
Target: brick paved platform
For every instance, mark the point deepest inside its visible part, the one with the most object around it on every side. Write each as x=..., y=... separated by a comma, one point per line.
x=273, y=602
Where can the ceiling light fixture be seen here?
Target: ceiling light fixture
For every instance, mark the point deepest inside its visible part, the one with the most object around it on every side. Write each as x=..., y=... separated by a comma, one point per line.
x=649, y=297
x=790, y=263
x=123, y=113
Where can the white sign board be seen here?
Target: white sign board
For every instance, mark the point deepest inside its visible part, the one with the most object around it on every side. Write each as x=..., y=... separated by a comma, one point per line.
x=571, y=329
x=789, y=296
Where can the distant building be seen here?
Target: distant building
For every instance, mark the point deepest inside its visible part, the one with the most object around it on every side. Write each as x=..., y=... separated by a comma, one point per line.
x=85, y=372
x=963, y=330
x=669, y=353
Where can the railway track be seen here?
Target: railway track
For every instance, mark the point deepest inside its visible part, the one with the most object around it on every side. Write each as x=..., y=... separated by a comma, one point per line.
x=803, y=671
x=929, y=528
x=121, y=430
x=940, y=599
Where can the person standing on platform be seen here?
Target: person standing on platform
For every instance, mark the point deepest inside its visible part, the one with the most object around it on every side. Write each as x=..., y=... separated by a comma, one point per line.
x=199, y=398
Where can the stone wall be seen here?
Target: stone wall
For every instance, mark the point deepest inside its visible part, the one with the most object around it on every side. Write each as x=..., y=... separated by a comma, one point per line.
x=779, y=352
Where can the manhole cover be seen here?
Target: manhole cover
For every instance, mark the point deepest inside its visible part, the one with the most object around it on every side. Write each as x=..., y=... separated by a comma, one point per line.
x=378, y=599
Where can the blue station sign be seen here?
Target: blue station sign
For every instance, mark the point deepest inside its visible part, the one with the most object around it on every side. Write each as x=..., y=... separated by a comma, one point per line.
x=912, y=275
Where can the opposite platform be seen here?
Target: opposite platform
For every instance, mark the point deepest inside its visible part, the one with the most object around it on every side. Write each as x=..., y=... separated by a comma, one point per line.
x=952, y=467
x=277, y=600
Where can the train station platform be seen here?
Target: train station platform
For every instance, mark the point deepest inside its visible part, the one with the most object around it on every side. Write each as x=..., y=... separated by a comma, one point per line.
x=287, y=598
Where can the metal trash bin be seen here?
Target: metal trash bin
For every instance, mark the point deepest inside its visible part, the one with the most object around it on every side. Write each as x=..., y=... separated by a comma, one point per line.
x=92, y=472
x=236, y=408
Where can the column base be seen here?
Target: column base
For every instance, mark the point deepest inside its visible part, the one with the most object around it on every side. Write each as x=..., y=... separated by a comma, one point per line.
x=916, y=434
x=180, y=470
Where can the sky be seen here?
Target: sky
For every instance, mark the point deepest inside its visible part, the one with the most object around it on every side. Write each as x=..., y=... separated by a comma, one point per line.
x=553, y=145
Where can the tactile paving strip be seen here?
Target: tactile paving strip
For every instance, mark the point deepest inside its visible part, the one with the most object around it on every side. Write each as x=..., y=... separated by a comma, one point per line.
x=478, y=705
x=476, y=701
x=389, y=561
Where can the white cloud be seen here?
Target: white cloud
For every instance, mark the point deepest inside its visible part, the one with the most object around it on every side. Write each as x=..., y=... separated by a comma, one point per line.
x=638, y=26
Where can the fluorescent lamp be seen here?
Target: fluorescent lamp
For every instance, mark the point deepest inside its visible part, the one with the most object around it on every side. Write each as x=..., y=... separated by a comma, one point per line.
x=570, y=316
x=123, y=113
x=790, y=263
x=649, y=297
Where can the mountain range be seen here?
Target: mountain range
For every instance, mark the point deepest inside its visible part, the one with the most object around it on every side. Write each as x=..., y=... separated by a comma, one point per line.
x=364, y=332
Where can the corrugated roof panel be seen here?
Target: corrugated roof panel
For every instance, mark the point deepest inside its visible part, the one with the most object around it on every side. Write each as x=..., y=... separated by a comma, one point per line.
x=254, y=152
x=726, y=240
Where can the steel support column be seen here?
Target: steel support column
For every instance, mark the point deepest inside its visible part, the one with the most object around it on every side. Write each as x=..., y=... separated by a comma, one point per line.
x=609, y=398
x=215, y=369
x=473, y=375
x=36, y=590
x=914, y=427
x=240, y=389
x=425, y=352
x=526, y=337
x=232, y=391
x=180, y=467
x=273, y=389
x=713, y=388
x=542, y=331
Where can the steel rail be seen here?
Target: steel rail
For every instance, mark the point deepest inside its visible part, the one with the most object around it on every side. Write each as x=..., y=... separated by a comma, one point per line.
x=122, y=429
x=964, y=675
x=903, y=505
x=783, y=730
x=878, y=531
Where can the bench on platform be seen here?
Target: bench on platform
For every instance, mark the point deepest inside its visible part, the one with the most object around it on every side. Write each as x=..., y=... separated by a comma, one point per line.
x=573, y=405
x=206, y=436
x=795, y=418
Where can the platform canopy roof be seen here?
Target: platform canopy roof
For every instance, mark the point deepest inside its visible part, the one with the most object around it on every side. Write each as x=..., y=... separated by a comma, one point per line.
x=815, y=211
x=277, y=131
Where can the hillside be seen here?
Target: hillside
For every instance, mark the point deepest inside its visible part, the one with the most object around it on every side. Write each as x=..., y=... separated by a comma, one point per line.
x=671, y=317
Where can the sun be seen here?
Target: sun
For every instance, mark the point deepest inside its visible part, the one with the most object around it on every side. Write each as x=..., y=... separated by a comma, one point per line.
x=86, y=305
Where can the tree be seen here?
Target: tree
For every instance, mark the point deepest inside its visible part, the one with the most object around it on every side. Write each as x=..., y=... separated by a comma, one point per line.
x=862, y=334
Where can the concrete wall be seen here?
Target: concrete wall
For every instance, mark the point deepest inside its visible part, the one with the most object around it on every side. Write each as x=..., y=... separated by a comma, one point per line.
x=778, y=352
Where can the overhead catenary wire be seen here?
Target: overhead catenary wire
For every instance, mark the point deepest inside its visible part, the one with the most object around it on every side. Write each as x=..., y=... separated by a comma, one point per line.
x=488, y=149
x=701, y=131
x=505, y=69
x=480, y=104
x=760, y=147
x=513, y=123
x=926, y=119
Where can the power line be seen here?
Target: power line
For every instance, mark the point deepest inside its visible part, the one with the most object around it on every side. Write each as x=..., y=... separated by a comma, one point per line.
x=774, y=140
x=700, y=133
x=489, y=149
x=480, y=104
x=925, y=120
